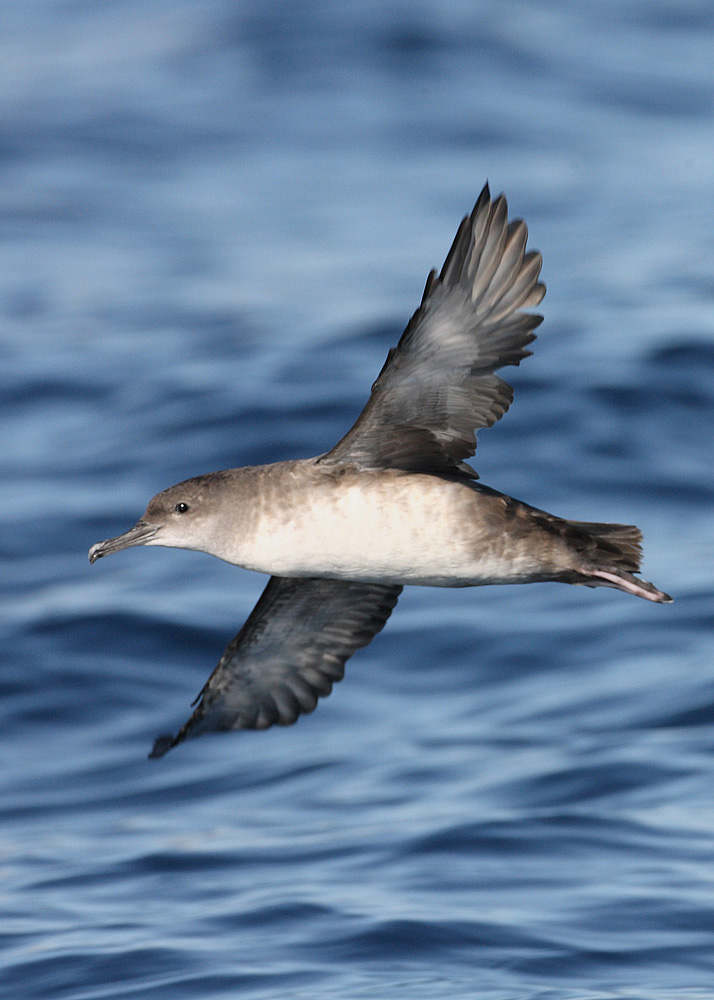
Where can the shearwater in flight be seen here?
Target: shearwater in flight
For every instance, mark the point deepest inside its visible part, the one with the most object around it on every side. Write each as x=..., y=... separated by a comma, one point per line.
x=393, y=503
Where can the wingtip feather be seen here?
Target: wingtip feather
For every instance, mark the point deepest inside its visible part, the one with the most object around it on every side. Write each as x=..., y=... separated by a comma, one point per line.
x=162, y=745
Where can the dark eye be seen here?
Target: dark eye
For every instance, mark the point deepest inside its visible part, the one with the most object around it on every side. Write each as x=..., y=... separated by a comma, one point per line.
x=181, y=508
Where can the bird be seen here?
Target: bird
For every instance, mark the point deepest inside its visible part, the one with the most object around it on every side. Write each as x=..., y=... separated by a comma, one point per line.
x=393, y=503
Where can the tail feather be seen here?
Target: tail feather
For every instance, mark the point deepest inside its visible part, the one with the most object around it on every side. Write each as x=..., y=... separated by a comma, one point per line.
x=610, y=555
x=619, y=544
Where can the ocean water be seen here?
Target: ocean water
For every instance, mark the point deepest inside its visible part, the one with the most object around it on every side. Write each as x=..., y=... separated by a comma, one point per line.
x=216, y=218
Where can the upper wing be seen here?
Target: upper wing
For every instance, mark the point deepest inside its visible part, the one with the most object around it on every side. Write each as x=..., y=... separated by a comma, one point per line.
x=289, y=653
x=437, y=386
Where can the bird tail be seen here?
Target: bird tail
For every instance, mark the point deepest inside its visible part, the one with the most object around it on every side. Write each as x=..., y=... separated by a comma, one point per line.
x=609, y=556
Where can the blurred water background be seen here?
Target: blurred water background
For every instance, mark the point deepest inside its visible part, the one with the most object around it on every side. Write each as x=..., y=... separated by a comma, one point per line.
x=216, y=217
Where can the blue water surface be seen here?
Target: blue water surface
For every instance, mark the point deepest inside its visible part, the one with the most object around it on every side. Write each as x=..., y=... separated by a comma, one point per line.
x=216, y=218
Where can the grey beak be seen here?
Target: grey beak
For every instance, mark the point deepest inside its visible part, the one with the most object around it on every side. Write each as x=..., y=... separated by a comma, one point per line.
x=138, y=535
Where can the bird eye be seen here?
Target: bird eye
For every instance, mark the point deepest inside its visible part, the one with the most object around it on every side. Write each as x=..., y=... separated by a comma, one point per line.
x=181, y=508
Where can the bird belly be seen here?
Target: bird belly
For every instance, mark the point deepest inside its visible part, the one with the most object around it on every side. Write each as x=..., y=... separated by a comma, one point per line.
x=417, y=530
